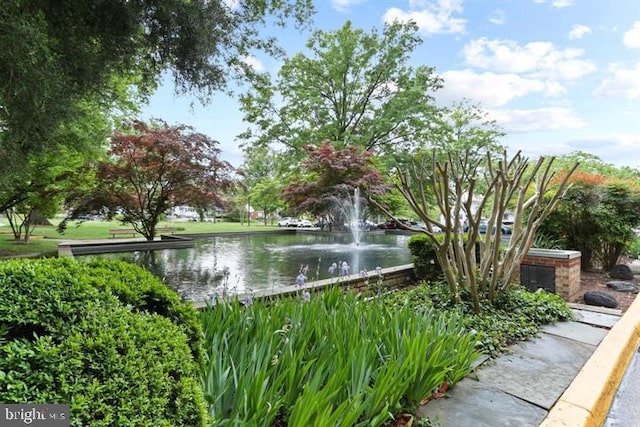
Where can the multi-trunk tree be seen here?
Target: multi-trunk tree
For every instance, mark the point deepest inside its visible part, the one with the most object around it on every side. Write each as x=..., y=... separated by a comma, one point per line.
x=152, y=169
x=465, y=188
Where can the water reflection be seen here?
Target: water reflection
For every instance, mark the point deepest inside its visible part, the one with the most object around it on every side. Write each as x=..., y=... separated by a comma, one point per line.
x=240, y=263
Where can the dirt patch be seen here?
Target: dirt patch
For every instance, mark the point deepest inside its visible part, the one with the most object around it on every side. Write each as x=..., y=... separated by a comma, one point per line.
x=596, y=281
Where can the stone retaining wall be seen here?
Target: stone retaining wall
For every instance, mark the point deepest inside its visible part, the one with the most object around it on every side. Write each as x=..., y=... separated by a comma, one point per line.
x=387, y=278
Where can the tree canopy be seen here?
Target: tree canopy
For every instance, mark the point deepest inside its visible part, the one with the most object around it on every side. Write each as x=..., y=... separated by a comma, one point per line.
x=329, y=174
x=58, y=55
x=354, y=88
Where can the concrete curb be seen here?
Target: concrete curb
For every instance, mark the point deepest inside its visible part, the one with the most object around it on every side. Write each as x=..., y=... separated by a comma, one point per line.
x=587, y=400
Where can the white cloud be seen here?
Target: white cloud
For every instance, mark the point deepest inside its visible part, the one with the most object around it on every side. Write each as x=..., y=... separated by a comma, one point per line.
x=632, y=37
x=622, y=82
x=232, y=4
x=619, y=149
x=345, y=5
x=536, y=120
x=498, y=17
x=540, y=59
x=578, y=31
x=254, y=63
x=430, y=17
x=557, y=3
x=493, y=89
x=562, y=3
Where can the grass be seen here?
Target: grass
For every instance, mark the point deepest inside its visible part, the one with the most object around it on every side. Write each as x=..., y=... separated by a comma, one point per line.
x=45, y=238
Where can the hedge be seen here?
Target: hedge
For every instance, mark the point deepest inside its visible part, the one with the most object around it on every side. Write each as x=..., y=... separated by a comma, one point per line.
x=77, y=333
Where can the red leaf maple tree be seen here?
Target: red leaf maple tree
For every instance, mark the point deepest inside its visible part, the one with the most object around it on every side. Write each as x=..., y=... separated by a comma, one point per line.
x=333, y=173
x=151, y=169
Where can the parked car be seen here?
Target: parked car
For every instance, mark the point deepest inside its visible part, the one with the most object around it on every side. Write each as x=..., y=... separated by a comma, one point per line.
x=284, y=222
x=322, y=223
x=422, y=226
x=305, y=223
x=393, y=224
x=484, y=225
x=293, y=222
x=388, y=225
x=366, y=225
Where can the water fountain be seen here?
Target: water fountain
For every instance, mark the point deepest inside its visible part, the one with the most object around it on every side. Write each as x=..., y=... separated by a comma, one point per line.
x=350, y=207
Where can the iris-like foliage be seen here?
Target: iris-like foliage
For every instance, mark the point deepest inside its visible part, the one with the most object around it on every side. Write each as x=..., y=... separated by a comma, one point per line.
x=337, y=358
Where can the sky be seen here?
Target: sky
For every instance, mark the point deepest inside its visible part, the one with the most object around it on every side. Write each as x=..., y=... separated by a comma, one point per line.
x=558, y=76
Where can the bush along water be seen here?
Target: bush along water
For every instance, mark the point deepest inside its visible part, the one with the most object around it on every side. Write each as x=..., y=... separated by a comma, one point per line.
x=335, y=359
x=78, y=334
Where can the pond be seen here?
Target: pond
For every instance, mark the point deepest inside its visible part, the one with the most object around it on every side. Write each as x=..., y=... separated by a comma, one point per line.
x=241, y=263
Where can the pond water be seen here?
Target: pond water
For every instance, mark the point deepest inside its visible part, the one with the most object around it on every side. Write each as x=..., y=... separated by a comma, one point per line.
x=235, y=264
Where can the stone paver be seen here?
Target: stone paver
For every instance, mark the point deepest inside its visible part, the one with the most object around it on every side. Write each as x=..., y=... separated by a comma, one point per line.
x=577, y=331
x=594, y=318
x=475, y=405
x=538, y=371
x=518, y=388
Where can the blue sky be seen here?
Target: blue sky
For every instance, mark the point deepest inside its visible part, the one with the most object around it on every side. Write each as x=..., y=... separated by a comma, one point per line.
x=557, y=75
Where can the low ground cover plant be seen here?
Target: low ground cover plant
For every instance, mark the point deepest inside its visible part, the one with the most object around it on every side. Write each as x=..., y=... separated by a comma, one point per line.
x=337, y=359
x=514, y=316
x=76, y=333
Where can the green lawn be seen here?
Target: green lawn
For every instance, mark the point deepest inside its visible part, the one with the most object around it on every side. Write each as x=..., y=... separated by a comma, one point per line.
x=45, y=239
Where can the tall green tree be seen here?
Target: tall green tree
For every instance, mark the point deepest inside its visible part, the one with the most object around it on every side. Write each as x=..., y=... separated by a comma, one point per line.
x=460, y=129
x=353, y=88
x=266, y=196
x=57, y=54
x=262, y=178
x=47, y=180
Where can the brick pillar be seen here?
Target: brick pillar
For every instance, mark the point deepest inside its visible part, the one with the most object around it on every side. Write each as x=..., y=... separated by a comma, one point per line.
x=566, y=265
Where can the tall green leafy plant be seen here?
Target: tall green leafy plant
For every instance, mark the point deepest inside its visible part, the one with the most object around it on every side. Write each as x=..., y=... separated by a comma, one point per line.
x=296, y=362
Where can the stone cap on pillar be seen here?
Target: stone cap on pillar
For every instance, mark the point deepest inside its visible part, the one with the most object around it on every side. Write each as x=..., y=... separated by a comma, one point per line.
x=553, y=253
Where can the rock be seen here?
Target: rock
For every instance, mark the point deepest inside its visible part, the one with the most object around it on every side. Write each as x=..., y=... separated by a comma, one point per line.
x=621, y=271
x=622, y=286
x=601, y=299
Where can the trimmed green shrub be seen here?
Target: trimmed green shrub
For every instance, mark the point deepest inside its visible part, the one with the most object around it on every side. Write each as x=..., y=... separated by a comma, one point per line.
x=135, y=287
x=65, y=339
x=424, y=257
